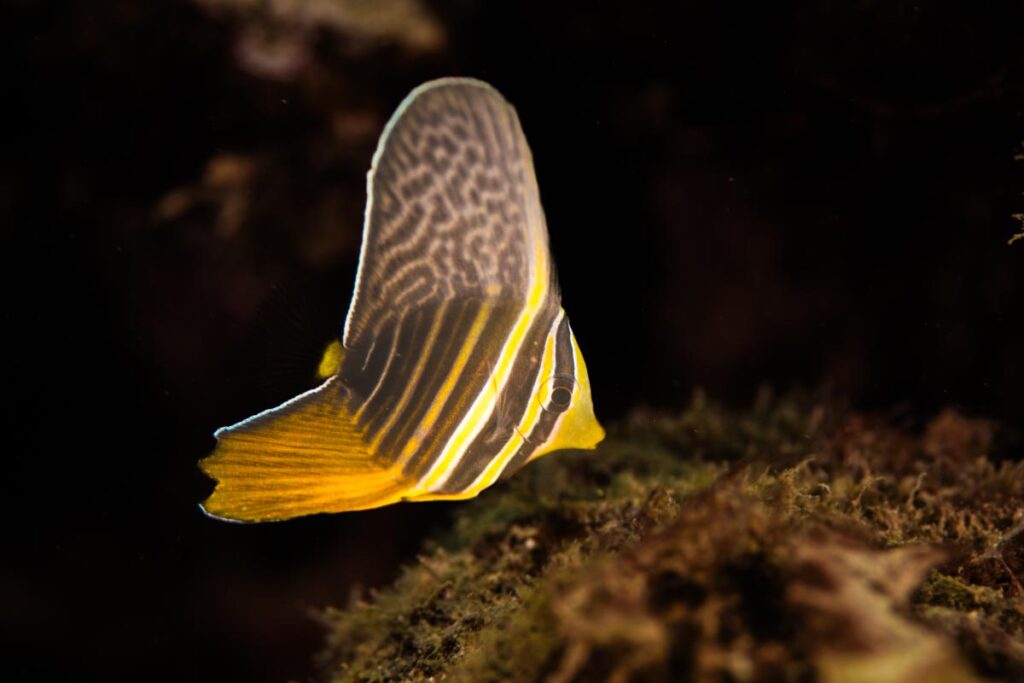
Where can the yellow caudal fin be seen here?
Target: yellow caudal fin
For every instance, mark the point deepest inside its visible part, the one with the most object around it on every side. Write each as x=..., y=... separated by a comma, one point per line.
x=303, y=457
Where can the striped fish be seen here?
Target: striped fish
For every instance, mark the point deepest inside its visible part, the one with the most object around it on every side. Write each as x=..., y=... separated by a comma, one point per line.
x=457, y=364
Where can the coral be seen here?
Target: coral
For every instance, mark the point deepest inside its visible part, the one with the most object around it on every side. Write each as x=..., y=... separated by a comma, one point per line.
x=794, y=542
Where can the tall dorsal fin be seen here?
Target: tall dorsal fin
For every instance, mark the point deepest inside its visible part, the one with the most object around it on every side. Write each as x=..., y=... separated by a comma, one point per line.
x=453, y=209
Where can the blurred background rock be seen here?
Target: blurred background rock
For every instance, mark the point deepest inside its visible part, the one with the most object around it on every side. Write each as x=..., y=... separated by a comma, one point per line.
x=797, y=193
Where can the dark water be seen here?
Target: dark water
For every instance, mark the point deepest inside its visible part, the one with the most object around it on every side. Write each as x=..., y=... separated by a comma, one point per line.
x=806, y=195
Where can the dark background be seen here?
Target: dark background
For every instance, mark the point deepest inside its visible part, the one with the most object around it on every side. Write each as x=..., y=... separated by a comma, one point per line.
x=799, y=194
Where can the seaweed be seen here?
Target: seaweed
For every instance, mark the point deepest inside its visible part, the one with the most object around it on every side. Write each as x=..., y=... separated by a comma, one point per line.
x=796, y=541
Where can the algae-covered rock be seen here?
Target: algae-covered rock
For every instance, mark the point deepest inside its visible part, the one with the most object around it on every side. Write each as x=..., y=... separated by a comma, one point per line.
x=794, y=542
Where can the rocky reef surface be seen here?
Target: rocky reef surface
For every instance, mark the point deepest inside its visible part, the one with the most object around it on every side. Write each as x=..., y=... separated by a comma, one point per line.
x=796, y=541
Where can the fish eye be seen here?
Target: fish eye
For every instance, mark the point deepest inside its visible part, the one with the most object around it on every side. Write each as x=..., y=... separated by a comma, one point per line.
x=556, y=396
x=560, y=397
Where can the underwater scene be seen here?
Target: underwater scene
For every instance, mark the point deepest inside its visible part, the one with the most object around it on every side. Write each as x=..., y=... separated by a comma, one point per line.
x=431, y=340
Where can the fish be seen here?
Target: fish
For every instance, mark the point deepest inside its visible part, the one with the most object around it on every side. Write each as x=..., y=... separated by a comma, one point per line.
x=456, y=365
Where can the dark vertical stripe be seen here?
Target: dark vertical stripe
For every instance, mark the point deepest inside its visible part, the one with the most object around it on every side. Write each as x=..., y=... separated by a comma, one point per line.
x=412, y=335
x=363, y=369
x=471, y=382
x=565, y=362
x=565, y=367
x=455, y=324
x=510, y=407
x=541, y=430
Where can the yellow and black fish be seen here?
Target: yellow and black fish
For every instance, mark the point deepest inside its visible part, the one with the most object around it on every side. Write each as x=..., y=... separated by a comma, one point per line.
x=458, y=364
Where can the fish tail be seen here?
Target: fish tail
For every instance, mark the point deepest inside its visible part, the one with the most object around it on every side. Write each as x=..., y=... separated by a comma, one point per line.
x=303, y=457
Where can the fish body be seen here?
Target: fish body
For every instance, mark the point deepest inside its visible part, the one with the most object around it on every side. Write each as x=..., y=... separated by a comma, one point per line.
x=457, y=364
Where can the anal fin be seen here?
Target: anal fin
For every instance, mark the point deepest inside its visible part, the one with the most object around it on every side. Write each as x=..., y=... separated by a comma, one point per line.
x=303, y=457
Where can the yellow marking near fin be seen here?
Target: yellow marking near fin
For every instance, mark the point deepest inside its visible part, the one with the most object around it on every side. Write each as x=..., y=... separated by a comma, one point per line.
x=331, y=360
x=303, y=457
x=577, y=427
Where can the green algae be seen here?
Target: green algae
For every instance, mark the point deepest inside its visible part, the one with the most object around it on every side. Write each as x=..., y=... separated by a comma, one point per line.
x=796, y=541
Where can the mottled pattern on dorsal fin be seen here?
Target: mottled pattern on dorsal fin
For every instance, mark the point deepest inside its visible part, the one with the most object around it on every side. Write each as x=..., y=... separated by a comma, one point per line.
x=453, y=210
